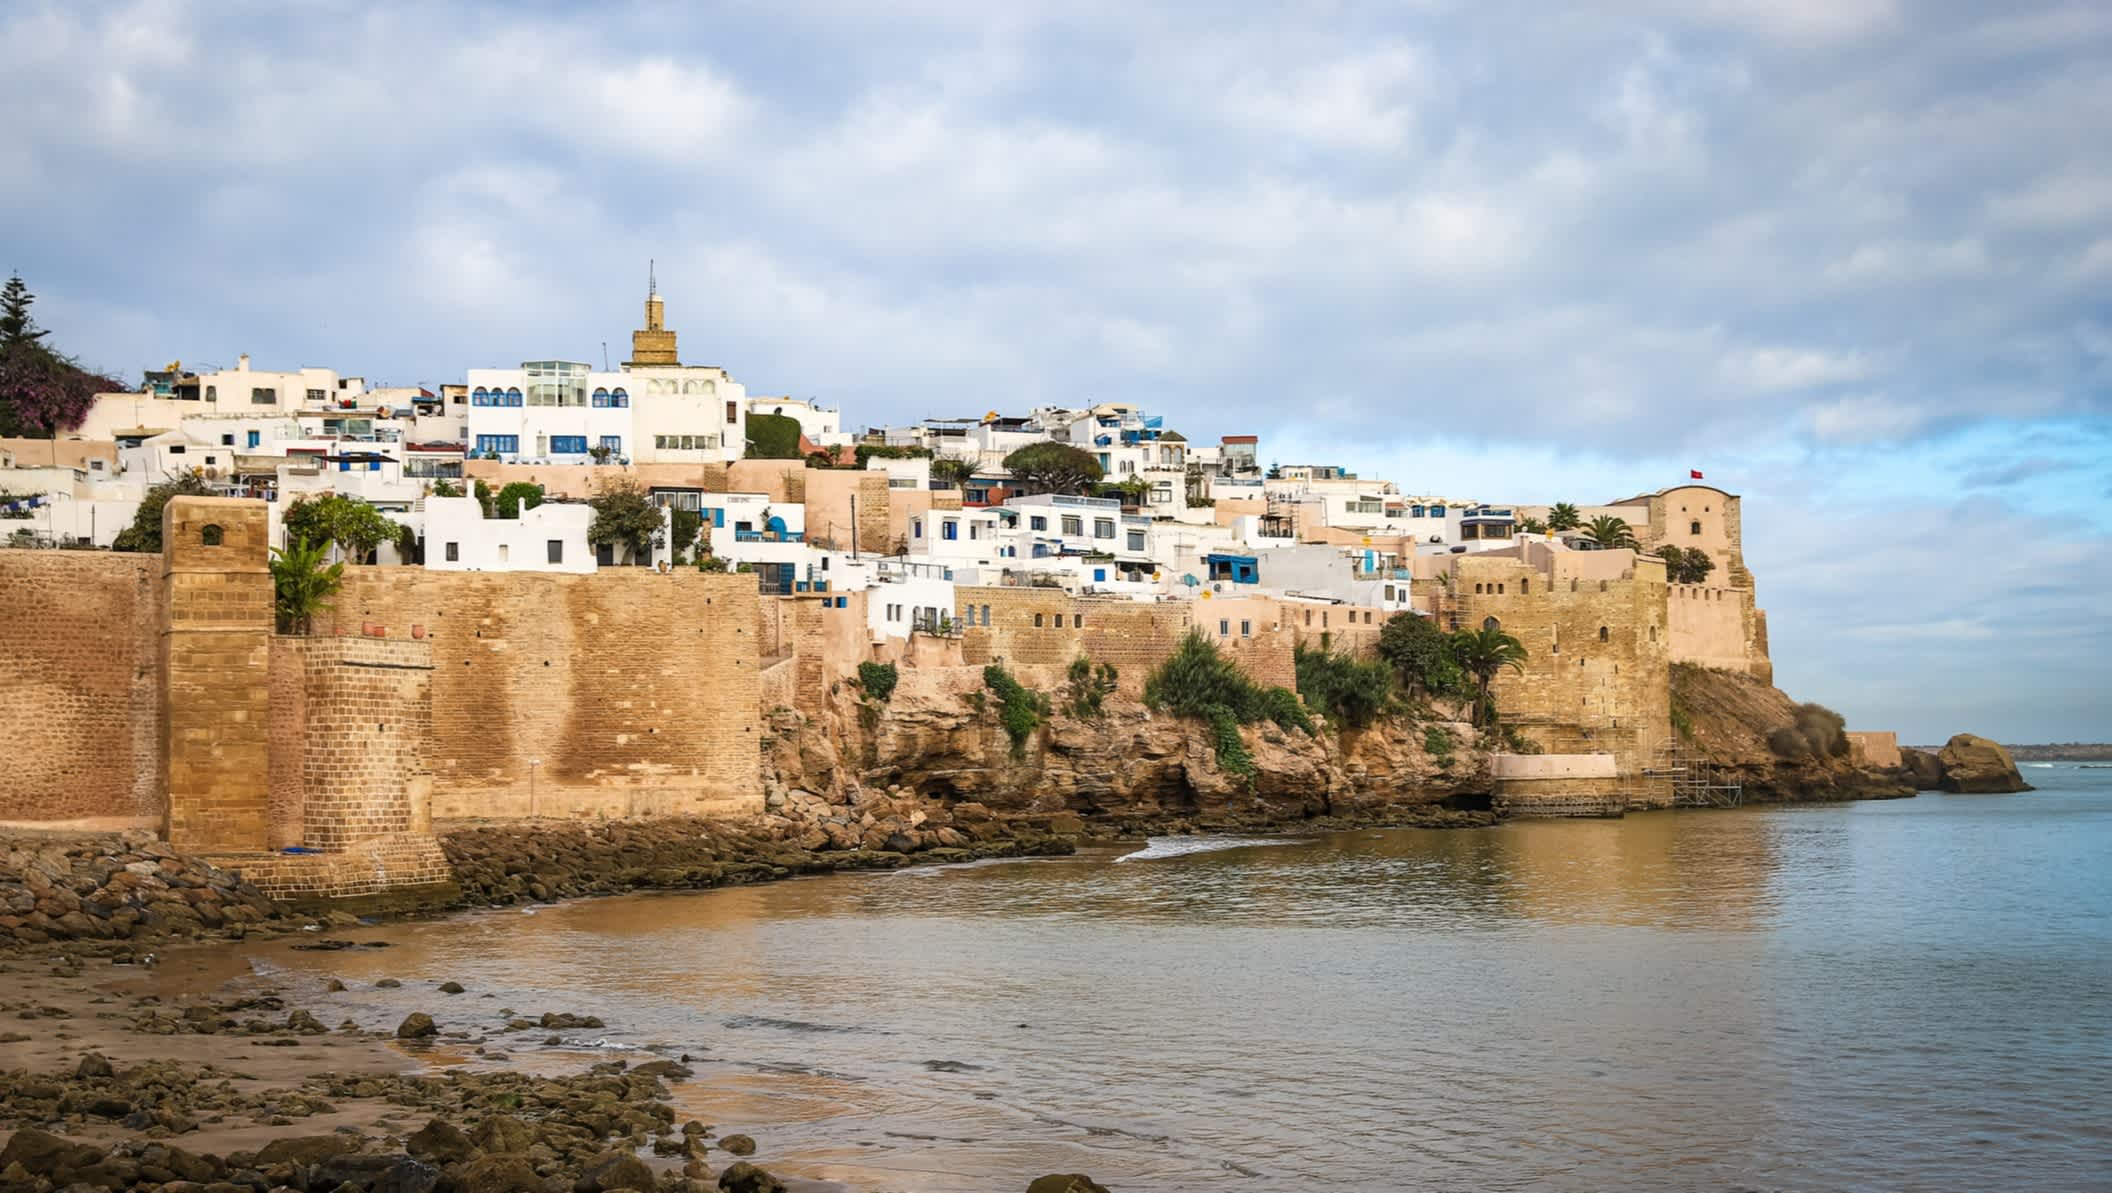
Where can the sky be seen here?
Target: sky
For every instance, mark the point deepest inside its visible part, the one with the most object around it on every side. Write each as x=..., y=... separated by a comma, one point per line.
x=1850, y=258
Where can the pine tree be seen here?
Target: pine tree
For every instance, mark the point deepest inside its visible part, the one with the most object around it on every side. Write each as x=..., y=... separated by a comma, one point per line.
x=16, y=325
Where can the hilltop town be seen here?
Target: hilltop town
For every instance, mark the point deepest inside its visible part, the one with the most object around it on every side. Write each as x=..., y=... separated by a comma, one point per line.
x=642, y=591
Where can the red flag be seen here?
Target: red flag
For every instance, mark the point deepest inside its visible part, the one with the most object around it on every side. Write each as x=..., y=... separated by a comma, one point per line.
x=1695, y=473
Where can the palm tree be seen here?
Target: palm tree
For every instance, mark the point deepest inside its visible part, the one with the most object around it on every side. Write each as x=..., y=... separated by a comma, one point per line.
x=1563, y=517
x=1484, y=654
x=1610, y=532
x=303, y=584
x=952, y=471
x=1533, y=526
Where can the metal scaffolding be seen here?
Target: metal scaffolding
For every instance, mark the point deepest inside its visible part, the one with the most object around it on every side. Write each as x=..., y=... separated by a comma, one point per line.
x=1695, y=783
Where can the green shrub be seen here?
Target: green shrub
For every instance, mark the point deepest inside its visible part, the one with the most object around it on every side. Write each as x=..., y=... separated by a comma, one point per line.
x=1420, y=653
x=682, y=529
x=517, y=496
x=1020, y=708
x=773, y=437
x=878, y=679
x=1224, y=738
x=1350, y=692
x=1815, y=732
x=1088, y=688
x=1437, y=741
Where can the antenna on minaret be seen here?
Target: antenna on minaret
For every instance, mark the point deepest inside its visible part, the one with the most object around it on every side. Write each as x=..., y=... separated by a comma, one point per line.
x=652, y=283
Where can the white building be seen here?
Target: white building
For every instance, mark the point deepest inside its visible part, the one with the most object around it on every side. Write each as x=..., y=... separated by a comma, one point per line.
x=823, y=425
x=552, y=537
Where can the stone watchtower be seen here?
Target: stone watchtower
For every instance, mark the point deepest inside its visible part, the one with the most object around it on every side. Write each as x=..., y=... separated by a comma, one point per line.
x=217, y=595
x=653, y=344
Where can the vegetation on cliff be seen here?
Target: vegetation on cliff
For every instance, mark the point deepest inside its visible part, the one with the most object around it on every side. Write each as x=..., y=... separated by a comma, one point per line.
x=1732, y=723
x=1814, y=731
x=1087, y=687
x=878, y=679
x=1348, y=691
x=42, y=391
x=773, y=437
x=1021, y=709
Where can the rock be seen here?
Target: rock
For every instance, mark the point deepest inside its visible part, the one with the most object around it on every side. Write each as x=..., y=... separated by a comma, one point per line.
x=305, y=1023
x=664, y=1068
x=1922, y=770
x=387, y=984
x=375, y=1174
x=502, y=1133
x=1976, y=766
x=416, y=1026
x=43, y=1154
x=305, y=1150
x=743, y=1177
x=1066, y=1182
x=94, y=1064
x=499, y=1174
x=451, y=988
x=614, y=1170
x=440, y=1142
x=739, y=1145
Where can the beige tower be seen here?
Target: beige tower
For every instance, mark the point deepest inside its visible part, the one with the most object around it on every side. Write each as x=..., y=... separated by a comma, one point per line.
x=653, y=344
x=218, y=596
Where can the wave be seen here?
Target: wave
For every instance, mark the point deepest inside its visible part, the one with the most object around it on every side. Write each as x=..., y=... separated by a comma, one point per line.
x=1163, y=847
x=2040, y=765
x=800, y=1025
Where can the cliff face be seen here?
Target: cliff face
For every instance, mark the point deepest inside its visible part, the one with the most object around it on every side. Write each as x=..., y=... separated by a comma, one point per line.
x=941, y=738
x=1729, y=717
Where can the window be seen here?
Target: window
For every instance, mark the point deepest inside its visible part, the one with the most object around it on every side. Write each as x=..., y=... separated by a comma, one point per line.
x=568, y=445
x=1099, y=575
x=504, y=445
x=1037, y=522
x=317, y=396
x=916, y=530
x=733, y=413
x=1694, y=527
x=1603, y=635
x=986, y=615
x=176, y=449
x=1224, y=627
x=614, y=443
x=212, y=535
x=949, y=529
x=1077, y=620
x=505, y=553
x=256, y=438
x=1103, y=528
x=1073, y=524
x=1491, y=624
x=212, y=393
x=513, y=398
x=1524, y=587
x=1037, y=621
x=1246, y=629
x=557, y=550
x=227, y=440
x=263, y=395
x=454, y=552
x=619, y=397
x=1136, y=540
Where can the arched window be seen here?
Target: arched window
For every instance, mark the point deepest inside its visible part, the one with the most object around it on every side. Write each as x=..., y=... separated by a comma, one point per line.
x=1524, y=587
x=211, y=535
x=480, y=396
x=513, y=396
x=1604, y=634
x=619, y=397
x=1491, y=624
x=601, y=399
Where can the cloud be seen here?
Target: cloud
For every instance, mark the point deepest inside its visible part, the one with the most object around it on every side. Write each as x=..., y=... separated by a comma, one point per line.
x=1813, y=244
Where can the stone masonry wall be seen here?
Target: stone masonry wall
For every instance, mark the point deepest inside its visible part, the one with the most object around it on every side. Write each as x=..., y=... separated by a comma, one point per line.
x=369, y=707
x=216, y=662
x=80, y=662
x=621, y=692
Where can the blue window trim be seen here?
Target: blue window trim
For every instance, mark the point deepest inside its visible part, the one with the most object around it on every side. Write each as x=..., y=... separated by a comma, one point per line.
x=568, y=445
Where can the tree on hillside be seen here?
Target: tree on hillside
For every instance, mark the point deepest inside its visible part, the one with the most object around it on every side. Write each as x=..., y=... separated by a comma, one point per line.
x=302, y=584
x=1420, y=653
x=1053, y=468
x=1687, y=567
x=354, y=526
x=625, y=517
x=1563, y=517
x=145, y=532
x=41, y=390
x=1609, y=532
x=1532, y=526
x=773, y=437
x=516, y=496
x=1484, y=654
x=949, y=470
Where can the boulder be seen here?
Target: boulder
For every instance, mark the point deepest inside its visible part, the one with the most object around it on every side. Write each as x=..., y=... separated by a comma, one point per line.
x=1921, y=769
x=502, y=1133
x=614, y=1170
x=43, y=1154
x=743, y=1177
x=1976, y=766
x=739, y=1145
x=305, y=1149
x=1065, y=1182
x=375, y=1174
x=499, y=1174
x=416, y=1026
x=440, y=1142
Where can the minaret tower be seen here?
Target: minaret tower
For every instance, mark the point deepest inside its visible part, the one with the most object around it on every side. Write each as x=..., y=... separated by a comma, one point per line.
x=653, y=344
